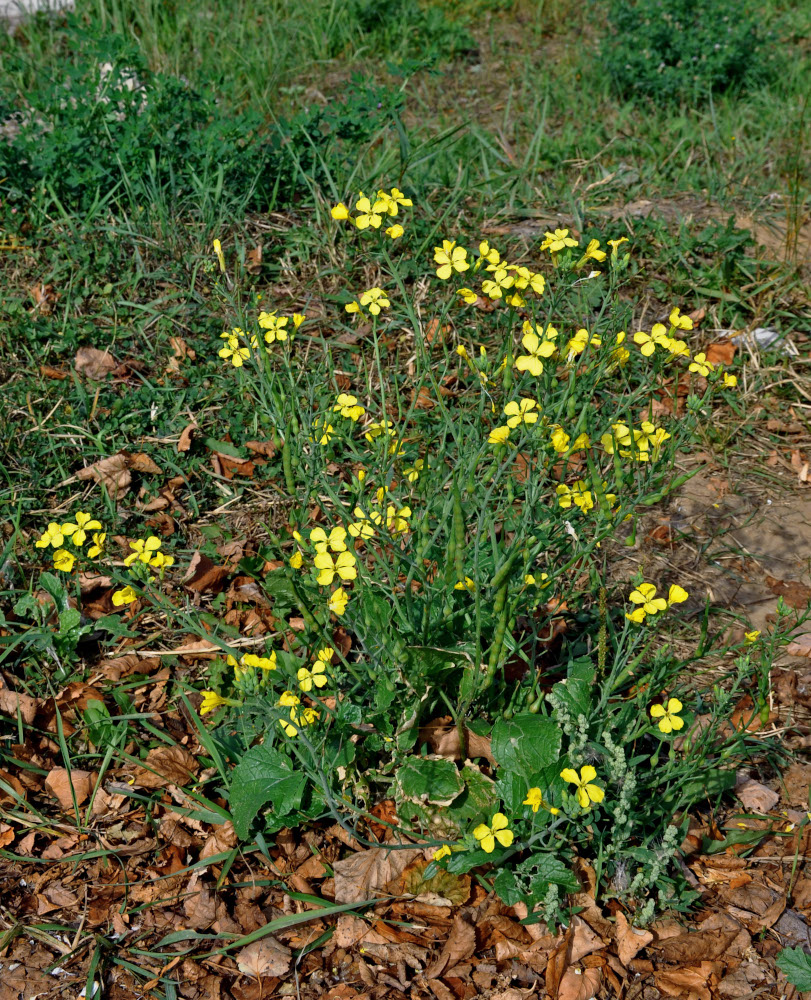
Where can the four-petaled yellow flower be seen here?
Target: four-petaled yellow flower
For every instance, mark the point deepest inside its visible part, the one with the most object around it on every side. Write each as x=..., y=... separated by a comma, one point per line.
x=536, y=348
x=557, y=241
x=668, y=715
x=370, y=214
x=580, y=340
x=499, y=435
x=700, y=365
x=679, y=322
x=645, y=597
x=450, y=258
x=536, y=801
x=497, y=831
x=586, y=791
x=53, y=535
x=335, y=540
x=344, y=566
x=212, y=700
x=324, y=429
x=125, y=596
x=495, y=287
x=308, y=677
x=520, y=412
x=348, y=406
x=395, y=231
x=78, y=532
x=274, y=326
x=372, y=300
x=593, y=252
x=98, y=544
x=730, y=381
x=234, y=353
x=64, y=560
x=442, y=852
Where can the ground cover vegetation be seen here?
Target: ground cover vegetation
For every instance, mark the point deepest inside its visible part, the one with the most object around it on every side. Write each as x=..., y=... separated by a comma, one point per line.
x=345, y=359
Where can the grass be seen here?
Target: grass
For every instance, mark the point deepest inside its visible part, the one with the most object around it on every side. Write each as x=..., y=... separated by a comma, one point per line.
x=499, y=124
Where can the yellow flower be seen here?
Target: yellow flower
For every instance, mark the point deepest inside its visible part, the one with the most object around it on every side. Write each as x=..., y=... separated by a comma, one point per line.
x=668, y=716
x=577, y=495
x=344, y=566
x=78, y=532
x=288, y=700
x=64, y=560
x=125, y=596
x=296, y=559
x=143, y=550
x=469, y=296
x=260, y=662
x=325, y=655
x=730, y=381
x=53, y=535
x=348, y=406
x=497, y=831
x=679, y=322
x=559, y=438
x=298, y=319
x=396, y=198
x=396, y=519
x=220, y=255
x=395, y=231
x=524, y=278
x=644, y=596
x=212, y=700
x=450, y=258
x=637, y=616
x=335, y=540
x=495, y=287
x=580, y=340
x=499, y=435
x=98, y=544
x=442, y=852
x=536, y=349
x=161, y=561
x=520, y=412
x=676, y=595
x=593, y=253
x=648, y=342
x=466, y=584
x=376, y=430
x=586, y=792
x=370, y=214
x=373, y=300
x=700, y=365
x=751, y=637
x=301, y=718
x=274, y=326
x=535, y=800
x=413, y=474
x=307, y=678
x=362, y=528
x=487, y=254
x=615, y=244
x=234, y=353
x=325, y=430
x=340, y=212
x=558, y=240
x=338, y=601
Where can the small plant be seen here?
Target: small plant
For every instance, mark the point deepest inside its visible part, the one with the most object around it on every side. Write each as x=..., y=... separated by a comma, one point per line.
x=683, y=50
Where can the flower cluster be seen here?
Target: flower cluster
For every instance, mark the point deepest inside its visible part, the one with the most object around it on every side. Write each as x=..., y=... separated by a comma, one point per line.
x=372, y=214
x=669, y=342
x=506, y=281
x=77, y=532
x=641, y=445
x=239, y=345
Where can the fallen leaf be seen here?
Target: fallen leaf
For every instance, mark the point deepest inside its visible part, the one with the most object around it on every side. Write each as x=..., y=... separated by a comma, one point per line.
x=800, y=645
x=46, y=371
x=253, y=260
x=794, y=593
x=630, y=940
x=45, y=298
x=60, y=781
x=693, y=982
x=180, y=351
x=267, y=957
x=443, y=738
x=12, y=703
x=6, y=835
x=583, y=941
x=364, y=874
x=204, y=576
x=578, y=984
x=171, y=766
x=721, y=352
x=755, y=796
x=266, y=448
x=113, y=473
x=694, y=946
x=95, y=364
x=461, y=944
x=141, y=462
x=184, y=441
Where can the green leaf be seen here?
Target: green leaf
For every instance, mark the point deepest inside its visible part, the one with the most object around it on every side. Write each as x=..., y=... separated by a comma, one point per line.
x=795, y=964
x=263, y=775
x=575, y=692
x=531, y=879
x=526, y=743
x=429, y=779
x=225, y=448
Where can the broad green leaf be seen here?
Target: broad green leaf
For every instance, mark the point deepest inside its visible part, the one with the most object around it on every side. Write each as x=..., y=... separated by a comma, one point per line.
x=429, y=779
x=531, y=879
x=526, y=743
x=263, y=775
x=795, y=964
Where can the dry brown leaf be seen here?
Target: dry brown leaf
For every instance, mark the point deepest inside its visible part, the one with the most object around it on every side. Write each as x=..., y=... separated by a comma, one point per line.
x=694, y=946
x=794, y=593
x=443, y=738
x=6, y=835
x=693, y=982
x=266, y=448
x=223, y=838
x=95, y=364
x=180, y=351
x=267, y=957
x=579, y=984
x=45, y=298
x=461, y=944
x=141, y=462
x=204, y=576
x=800, y=645
x=721, y=353
x=184, y=441
x=755, y=796
x=12, y=703
x=46, y=371
x=583, y=941
x=253, y=260
x=363, y=875
x=113, y=473
x=171, y=766
x=558, y=963
x=59, y=782
x=630, y=940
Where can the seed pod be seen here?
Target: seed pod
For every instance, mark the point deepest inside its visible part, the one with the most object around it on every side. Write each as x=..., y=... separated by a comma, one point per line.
x=287, y=467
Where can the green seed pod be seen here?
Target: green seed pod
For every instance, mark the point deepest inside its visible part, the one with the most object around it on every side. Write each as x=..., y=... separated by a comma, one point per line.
x=287, y=467
x=458, y=535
